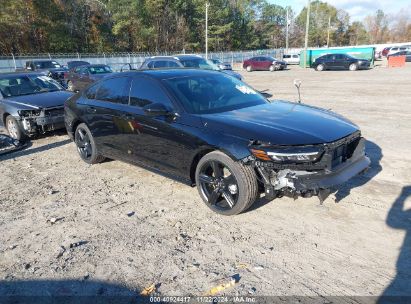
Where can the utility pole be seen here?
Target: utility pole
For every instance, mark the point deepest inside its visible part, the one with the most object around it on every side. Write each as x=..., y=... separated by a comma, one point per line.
x=307, y=25
x=328, y=34
x=286, y=33
x=206, y=30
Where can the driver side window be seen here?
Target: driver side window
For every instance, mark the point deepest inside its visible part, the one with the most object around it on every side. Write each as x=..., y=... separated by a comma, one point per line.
x=145, y=91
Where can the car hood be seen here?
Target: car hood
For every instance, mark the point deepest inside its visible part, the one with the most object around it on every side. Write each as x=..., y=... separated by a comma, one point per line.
x=38, y=101
x=232, y=73
x=281, y=123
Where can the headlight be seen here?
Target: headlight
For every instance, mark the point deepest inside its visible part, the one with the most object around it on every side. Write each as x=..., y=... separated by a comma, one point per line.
x=289, y=154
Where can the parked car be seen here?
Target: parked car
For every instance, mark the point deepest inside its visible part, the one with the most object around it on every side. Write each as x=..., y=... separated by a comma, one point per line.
x=82, y=76
x=291, y=58
x=339, y=62
x=31, y=103
x=76, y=63
x=385, y=51
x=264, y=63
x=407, y=55
x=397, y=49
x=48, y=67
x=221, y=65
x=216, y=132
x=184, y=61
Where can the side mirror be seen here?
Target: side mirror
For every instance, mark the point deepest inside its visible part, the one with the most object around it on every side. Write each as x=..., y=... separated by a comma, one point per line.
x=156, y=109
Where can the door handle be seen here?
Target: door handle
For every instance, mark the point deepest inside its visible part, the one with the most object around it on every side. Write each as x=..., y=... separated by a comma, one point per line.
x=91, y=110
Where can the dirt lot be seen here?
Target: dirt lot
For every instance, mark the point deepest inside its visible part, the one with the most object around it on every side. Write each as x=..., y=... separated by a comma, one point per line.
x=357, y=243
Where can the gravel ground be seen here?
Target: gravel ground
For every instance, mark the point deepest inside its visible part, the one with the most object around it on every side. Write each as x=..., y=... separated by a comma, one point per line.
x=130, y=228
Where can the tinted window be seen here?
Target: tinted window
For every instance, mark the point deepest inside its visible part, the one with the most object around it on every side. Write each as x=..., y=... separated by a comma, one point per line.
x=145, y=91
x=165, y=64
x=91, y=92
x=113, y=90
x=286, y=56
x=213, y=93
x=340, y=57
x=103, y=69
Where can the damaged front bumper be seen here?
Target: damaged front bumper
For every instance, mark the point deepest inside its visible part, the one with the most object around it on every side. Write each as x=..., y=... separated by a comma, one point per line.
x=42, y=120
x=340, y=162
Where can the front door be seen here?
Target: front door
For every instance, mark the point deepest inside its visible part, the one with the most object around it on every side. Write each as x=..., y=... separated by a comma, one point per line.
x=161, y=142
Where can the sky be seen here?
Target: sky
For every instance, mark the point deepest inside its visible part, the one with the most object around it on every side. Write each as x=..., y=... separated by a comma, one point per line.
x=357, y=9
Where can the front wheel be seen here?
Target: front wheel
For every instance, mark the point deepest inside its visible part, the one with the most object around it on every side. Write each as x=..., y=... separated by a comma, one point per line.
x=13, y=128
x=320, y=67
x=227, y=187
x=353, y=67
x=272, y=68
x=86, y=145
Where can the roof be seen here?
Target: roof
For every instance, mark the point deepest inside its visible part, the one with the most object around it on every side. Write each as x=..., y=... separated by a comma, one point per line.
x=172, y=73
x=17, y=74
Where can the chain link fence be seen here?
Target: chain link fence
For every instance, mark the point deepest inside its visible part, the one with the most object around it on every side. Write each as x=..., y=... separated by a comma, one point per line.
x=118, y=60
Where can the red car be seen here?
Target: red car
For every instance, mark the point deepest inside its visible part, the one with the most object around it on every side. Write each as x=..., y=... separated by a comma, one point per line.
x=385, y=51
x=264, y=63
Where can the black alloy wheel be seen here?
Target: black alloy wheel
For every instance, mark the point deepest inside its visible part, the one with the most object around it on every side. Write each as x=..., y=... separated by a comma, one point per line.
x=218, y=185
x=227, y=187
x=86, y=146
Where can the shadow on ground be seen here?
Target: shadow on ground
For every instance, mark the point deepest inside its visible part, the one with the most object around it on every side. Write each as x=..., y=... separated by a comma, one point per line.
x=374, y=152
x=27, y=151
x=399, y=290
x=67, y=291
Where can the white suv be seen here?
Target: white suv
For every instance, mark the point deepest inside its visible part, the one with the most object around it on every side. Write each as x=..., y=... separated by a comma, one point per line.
x=292, y=59
x=397, y=49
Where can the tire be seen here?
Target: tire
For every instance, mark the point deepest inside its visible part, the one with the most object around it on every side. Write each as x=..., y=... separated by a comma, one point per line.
x=14, y=129
x=353, y=67
x=320, y=67
x=70, y=86
x=249, y=68
x=236, y=181
x=86, y=146
x=272, y=68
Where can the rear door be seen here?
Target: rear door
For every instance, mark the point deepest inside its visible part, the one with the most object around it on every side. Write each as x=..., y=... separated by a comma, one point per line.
x=105, y=111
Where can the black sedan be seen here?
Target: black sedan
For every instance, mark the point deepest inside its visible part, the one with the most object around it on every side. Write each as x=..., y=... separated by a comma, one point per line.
x=31, y=103
x=216, y=132
x=82, y=76
x=340, y=62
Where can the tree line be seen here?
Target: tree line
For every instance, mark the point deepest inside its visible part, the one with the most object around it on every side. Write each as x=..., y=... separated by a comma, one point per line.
x=96, y=26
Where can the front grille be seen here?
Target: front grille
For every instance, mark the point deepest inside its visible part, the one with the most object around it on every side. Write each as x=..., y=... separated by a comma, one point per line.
x=344, y=151
x=54, y=112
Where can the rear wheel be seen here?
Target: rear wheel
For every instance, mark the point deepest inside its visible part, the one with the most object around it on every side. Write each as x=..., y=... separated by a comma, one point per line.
x=353, y=67
x=86, y=145
x=249, y=68
x=320, y=67
x=227, y=187
x=13, y=128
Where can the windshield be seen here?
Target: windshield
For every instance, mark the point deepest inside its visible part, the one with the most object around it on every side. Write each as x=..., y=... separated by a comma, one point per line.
x=199, y=63
x=27, y=84
x=104, y=69
x=47, y=65
x=208, y=94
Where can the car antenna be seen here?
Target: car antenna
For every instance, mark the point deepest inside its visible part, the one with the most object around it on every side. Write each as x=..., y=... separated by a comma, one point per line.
x=297, y=83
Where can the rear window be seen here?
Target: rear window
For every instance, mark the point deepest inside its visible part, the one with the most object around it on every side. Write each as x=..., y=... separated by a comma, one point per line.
x=104, y=69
